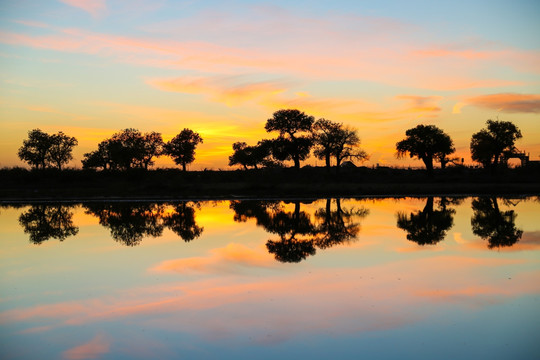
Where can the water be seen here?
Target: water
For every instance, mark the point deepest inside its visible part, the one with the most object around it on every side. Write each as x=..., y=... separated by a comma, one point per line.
x=412, y=278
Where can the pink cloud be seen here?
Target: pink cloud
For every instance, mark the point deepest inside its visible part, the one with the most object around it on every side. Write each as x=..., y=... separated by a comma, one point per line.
x=508, y=102
x=93, y=349
x=93, y=7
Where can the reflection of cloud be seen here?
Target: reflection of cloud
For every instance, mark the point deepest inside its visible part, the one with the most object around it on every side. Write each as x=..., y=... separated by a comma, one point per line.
x=509, y=102
x=99, y=345
x=227, y=259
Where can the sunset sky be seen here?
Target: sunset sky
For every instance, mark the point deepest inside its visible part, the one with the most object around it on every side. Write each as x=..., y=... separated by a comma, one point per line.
x=93, y=67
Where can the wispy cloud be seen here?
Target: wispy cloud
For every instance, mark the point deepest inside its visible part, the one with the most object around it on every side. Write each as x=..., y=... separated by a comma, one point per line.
x=508, y=102
x=93, y=349
x=96, y=8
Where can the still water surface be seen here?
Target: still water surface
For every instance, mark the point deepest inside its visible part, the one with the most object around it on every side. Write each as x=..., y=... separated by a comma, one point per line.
x=413, y=278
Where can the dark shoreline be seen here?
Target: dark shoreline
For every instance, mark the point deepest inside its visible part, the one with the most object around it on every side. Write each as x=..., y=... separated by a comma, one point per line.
x=19, y=185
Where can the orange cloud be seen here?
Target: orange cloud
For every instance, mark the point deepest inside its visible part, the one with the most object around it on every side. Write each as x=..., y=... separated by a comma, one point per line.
x=93, y=7
x=508, y=102
x=96, y=347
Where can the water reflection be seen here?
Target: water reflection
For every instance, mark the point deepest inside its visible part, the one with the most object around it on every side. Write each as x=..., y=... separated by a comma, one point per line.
x=44, y=222
x=298, y=235
x=428, y=226
x=498, y=227
x=129, y=223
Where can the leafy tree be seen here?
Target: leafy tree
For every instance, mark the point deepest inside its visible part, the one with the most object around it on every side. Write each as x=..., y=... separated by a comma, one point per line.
x=429, y=226
x=61, y=148
x=293, y=142
x=334, y=140
x=488, y=145
x=182, y=147
x=489, y=222
x=44, y=222
x=152, y=146
x=426, y=142
x=254, y=156
x=126, y=149
x=35, y=149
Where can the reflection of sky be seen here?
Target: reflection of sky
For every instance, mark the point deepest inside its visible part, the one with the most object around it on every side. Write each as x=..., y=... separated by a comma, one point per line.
x=223, y=294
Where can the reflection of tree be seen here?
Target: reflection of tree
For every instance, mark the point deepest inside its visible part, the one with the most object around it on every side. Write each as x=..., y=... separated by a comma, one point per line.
x=429, y=226
x=298, y=235
x=129, y=223
x=490, y=223
x=44, y=222
x=337, y=226
x=182, y=222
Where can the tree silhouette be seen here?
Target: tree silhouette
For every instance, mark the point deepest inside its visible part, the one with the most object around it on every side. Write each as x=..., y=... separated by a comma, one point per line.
x=498, y=227
x=254, y=156
x=487, y=145
x=129, y=223
x=34, y=150
x=429, y=226
x=126, y=149
x=293, y=142
x=44, y=222
x=337, y=226
x=426, y=142
x=333, y=140
x=182, y=222
x=60, y=150
x=182, y=147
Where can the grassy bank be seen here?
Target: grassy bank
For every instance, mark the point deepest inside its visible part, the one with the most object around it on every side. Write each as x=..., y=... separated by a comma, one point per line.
x=21, y=184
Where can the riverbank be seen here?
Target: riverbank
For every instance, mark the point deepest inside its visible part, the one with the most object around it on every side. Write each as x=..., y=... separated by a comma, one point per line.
x=20, y=184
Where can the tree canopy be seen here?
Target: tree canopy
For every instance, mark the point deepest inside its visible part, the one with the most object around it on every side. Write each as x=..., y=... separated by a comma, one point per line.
x=182, y=147
x=252, y=156
x=41, y=149
x=425, y=142
x=488, y=145
x=334, y=140
x=294, y=141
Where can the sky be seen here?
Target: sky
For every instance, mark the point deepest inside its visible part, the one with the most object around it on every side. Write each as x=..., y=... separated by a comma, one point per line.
x=91, y=68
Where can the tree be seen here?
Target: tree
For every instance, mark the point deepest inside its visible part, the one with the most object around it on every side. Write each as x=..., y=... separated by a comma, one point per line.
x=426, y=142
x=487, y=145
x=334, y=140
x=254, y=156
x=182, y=147
x=152, y=146
x=182, y=222
x=61, y=148
x=35, y=149
x=126, y=149
x=293, y=143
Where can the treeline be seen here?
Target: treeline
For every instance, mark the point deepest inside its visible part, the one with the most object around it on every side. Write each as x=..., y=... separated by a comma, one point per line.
x=298, y=136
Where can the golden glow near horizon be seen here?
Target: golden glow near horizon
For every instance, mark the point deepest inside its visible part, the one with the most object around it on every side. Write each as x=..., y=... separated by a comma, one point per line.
x=92, y=68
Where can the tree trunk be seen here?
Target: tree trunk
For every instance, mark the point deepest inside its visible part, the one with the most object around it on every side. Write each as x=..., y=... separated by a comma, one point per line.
x=428, y=161
x=327, y=159
x=183, y=166
x=297, y=162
